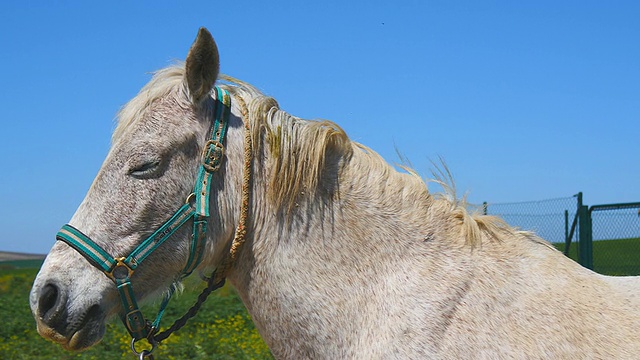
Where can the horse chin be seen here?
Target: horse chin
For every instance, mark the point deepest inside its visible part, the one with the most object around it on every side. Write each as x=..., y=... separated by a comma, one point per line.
x=85, y=338
x=81, y=334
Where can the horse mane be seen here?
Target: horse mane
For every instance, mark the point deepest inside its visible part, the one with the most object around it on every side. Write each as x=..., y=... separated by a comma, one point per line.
x=299, y=150
x=468, y=223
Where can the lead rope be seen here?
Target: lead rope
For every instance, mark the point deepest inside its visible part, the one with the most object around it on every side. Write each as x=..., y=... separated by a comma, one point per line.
x=217, y=279
x=241, y=231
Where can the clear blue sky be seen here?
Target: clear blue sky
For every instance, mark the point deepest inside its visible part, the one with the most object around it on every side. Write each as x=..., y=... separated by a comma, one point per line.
x=523, y=101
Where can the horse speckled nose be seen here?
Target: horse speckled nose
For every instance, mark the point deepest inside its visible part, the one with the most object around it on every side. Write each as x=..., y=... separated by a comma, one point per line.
x=75, y=326
x=52, y=308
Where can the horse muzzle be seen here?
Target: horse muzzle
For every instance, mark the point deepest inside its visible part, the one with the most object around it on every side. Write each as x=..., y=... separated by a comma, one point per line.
x=74, y=330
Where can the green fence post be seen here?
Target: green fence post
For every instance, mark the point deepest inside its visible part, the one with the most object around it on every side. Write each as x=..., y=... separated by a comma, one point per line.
x=590, y=239
x=567, y=239
x=579, y=223
x=585, y=238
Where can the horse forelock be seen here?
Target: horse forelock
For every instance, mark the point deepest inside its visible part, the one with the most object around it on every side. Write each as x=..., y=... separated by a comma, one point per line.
x=163, y=82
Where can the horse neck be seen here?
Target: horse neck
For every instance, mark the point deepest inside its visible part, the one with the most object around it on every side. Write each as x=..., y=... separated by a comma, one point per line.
x=386, y=265
x=372, y=206
x=341, y=259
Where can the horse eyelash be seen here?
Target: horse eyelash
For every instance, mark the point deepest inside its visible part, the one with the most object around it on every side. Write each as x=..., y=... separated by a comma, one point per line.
x=144, y=169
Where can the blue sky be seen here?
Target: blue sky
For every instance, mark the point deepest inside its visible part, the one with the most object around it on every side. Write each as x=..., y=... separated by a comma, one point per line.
x=524, y=101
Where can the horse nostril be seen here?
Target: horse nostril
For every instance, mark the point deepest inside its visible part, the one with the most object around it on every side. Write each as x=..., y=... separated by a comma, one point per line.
x=52, y=306
x=48, y=298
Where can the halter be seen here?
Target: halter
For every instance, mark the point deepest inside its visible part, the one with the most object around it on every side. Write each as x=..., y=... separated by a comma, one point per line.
x=196, y=207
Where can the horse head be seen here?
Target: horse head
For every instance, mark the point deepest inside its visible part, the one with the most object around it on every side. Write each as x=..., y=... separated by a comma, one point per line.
x=146, y=178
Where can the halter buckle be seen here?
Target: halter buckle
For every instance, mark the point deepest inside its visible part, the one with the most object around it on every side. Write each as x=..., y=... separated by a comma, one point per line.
x=212, y=155
x=121, y=270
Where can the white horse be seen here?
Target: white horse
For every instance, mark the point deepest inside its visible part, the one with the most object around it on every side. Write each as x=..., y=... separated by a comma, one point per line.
x=343, y=256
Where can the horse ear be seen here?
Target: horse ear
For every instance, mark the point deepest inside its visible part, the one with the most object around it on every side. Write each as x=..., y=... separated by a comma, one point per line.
x=202, y=66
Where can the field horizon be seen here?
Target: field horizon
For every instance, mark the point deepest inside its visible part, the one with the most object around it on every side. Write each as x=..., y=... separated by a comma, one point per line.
x=13, y=256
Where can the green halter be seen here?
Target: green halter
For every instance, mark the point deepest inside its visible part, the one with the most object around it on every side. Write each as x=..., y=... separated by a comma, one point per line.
x=120, y=269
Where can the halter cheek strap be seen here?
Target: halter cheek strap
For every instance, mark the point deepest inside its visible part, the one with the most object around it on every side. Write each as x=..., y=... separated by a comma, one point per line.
x=121, y=269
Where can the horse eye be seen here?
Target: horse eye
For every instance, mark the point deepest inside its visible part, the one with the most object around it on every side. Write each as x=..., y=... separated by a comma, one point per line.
x=145, y=170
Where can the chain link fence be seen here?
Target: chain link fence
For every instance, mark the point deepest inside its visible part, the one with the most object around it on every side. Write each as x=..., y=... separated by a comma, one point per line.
x=610, y=233
x=615, y=230
x=551, y=219
x=554, y=220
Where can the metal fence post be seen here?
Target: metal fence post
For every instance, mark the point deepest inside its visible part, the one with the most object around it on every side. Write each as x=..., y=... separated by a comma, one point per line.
x=585, y=238
x=567, y=239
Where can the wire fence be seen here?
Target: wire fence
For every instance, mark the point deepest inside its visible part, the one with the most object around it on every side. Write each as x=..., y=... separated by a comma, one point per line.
x=610, y=234
x=616, y=238
x=550, y=219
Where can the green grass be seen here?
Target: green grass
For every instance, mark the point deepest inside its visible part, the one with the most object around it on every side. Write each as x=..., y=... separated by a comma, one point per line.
x=617, y=257
x=612, y=257
x=222, y=329
x=21, y=264
x=573, y=249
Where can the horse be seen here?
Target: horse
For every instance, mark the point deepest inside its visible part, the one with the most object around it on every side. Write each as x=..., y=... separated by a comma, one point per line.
x=335, y=253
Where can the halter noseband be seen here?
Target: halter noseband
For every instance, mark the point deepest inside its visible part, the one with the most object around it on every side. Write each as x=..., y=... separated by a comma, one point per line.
x=120, y=269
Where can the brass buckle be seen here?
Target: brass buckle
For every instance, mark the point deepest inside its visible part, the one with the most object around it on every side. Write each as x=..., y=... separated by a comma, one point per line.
x=117, y=273
x=212, y=158
x=191, y=199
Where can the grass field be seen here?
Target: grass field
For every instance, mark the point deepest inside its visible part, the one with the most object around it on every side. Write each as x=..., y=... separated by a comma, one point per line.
x=612, y=257
x=222, y=329
x=21, y=264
